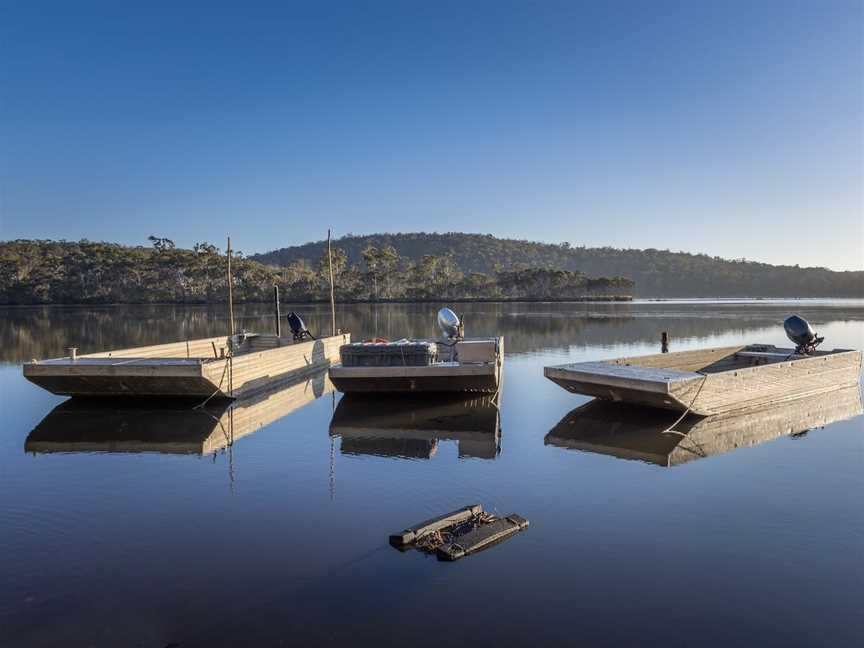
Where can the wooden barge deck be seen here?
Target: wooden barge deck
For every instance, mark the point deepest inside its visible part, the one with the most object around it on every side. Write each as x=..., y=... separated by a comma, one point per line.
x=712, y=381
x=189, y=369
x=481, y=375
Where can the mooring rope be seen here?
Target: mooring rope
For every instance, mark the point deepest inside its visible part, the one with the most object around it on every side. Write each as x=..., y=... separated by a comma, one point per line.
x=221, y=380
x=670, y=429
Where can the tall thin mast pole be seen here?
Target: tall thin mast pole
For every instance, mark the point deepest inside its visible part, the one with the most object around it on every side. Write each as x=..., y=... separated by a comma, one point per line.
x=230, y=293
x=332, y=294
x=230, y=324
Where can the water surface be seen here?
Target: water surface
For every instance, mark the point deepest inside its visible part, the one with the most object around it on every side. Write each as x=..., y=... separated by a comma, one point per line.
x=271, y=528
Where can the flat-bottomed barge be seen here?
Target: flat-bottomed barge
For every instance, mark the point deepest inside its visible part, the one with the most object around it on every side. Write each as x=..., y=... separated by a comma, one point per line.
x=712, y=381
x=466, y=365
x=233, y=367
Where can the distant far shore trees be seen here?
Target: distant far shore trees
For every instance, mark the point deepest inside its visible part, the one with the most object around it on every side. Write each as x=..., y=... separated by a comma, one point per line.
x=656, y=273
x=86, y=272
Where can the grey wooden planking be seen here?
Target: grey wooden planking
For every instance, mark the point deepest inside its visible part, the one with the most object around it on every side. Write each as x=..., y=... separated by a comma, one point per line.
x=733, y=378
x=629, y=372
x=161, y=370
x=438, y=377
x=113, y=362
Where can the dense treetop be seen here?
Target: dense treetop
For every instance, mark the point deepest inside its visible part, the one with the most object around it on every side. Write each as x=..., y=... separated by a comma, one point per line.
x=656, y=273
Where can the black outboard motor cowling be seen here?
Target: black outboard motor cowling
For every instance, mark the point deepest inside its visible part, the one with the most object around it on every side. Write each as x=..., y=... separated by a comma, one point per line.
x=298, y=328
x=802, y=334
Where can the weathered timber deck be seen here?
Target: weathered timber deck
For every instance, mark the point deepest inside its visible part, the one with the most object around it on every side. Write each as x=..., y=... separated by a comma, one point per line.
x=481, y=377
x=193, y=369
x=712, y=381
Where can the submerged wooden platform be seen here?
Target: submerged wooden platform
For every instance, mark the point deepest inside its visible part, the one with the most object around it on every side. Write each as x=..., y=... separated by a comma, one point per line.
x=712, y=381
x=639, y=433
x=459, y=533
x=417, y=531
x=482, y=376
x=482, y=537
x=412, y=425
x=189, y=369
x=168, y=427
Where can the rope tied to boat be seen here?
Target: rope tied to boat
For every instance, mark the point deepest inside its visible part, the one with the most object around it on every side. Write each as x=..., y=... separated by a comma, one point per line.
x=671, y=429
x=228, y=359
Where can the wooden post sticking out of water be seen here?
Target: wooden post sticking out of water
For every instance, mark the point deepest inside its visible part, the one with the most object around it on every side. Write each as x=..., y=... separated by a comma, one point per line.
x=276, y=311
x=332, y=294
x=664, y=342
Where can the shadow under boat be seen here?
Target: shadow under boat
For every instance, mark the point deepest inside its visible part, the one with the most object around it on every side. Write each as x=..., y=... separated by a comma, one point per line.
x=171, y=427
x=640, y=433
x=412, y=426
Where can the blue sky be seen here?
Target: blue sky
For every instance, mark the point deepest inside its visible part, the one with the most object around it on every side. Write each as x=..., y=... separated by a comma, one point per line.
x=731, y=128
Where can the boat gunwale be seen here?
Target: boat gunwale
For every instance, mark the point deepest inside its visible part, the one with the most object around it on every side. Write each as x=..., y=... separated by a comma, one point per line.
x=105, y=359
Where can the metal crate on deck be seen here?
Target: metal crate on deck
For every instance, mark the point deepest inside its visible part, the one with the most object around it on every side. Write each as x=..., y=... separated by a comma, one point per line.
x=403, y=353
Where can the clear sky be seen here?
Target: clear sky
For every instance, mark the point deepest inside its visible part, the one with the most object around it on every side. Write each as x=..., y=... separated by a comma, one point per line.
x=731, y=128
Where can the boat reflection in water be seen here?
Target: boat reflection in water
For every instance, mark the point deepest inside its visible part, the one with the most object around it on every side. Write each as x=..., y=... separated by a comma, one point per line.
x=640, y=433
x=166, y=427
x=412, y=426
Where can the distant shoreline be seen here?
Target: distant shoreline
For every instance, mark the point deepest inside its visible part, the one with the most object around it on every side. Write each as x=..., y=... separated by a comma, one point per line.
x=585, y=300
x=454, y=300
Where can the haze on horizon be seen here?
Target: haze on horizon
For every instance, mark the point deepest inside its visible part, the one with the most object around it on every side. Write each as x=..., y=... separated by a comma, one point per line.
x=735, y=129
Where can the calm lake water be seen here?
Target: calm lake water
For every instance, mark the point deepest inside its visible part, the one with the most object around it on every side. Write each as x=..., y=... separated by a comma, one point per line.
x=149, y=529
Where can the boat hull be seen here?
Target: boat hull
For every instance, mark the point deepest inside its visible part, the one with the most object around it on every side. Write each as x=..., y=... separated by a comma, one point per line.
x=712, y=381
x=150, y=372
x=347, y=384
x=442, y=377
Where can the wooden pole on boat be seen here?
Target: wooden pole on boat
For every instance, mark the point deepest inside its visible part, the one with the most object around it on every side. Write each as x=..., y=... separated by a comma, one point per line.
x=276, y=311
x=332, y=294
x=230, y=293
x=230, y=323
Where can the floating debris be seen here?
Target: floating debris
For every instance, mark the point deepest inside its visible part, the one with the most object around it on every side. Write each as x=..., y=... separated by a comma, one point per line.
x=459, y=533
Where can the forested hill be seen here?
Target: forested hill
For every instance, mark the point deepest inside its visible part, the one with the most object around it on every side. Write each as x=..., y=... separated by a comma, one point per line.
x=87, y=272
x=656, y=273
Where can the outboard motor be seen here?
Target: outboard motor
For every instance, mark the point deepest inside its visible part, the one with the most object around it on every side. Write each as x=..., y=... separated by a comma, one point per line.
x=802, y=334
x=298, y=328
x=448, y=322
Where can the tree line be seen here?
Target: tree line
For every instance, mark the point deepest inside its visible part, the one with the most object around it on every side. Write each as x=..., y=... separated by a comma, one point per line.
x=656, y=273
x=87, y=272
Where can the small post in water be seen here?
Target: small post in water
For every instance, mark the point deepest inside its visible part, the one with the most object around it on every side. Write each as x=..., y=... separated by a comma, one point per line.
x=73, y=353
x=664, y=342
x=276, y=311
